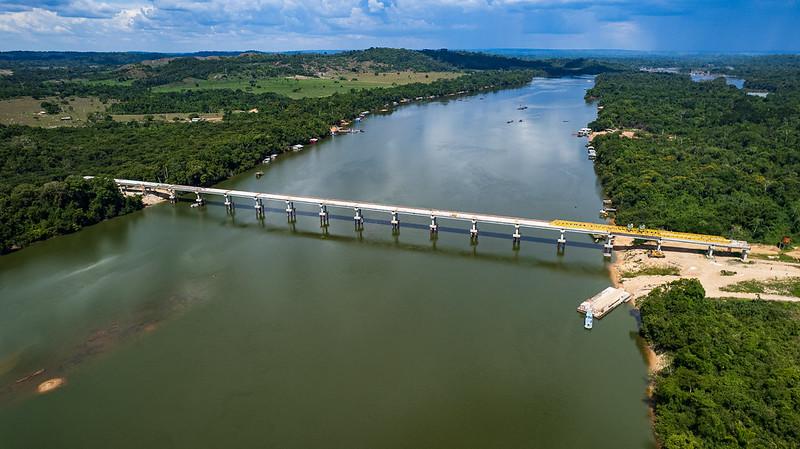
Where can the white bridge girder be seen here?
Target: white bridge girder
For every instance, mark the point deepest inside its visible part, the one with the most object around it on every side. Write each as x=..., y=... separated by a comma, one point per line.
x=389, y=210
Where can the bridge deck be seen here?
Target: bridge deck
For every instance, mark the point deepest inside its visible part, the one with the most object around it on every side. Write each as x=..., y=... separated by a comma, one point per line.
x=550, y=225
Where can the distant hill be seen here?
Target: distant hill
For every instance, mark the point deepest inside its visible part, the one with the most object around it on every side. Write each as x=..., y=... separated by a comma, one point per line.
x=73, y=58
x=111, y=75
x=260, y=65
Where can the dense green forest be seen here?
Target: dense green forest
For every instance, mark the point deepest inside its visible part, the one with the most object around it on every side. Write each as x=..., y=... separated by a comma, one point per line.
x=29, y=212
x=185, y=153
x=734, y=376
x=707, y=157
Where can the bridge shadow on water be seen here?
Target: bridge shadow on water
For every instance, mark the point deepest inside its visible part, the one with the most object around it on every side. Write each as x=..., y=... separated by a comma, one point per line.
x=492, y=254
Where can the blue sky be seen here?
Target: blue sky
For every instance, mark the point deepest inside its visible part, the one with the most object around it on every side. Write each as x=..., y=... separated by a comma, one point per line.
x=184, y=25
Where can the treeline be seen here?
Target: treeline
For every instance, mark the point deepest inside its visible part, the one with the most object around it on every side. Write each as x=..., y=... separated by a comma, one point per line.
x=64, y=73
x=369, y=60
x=184, y=153
x=250, y=65
x=392, y=59
x=29, y=213
x=48, y=59
x=466, y=60
x=215, y=100
x=734, y=376
x=57, y=82
x=200, y=101
x=706, y=158
x=776, y=73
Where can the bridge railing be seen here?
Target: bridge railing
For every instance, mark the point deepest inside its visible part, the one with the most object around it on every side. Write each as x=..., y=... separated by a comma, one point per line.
x=561, y=226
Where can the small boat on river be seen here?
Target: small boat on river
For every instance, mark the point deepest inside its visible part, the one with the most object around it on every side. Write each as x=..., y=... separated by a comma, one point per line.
x=588, y=320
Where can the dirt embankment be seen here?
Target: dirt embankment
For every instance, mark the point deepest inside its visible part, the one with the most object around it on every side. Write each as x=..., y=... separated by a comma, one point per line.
x=690, y=262
x=713, y=273
x=148, y=199
x=631, y=134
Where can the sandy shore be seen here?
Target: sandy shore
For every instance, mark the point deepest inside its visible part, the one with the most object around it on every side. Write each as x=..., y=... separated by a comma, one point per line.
x=149, y=199
x=626, y=134
x=693, y=263
x=50, y=385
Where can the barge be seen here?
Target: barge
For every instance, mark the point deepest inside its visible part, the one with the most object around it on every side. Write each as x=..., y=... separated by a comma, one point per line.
x=604, y=302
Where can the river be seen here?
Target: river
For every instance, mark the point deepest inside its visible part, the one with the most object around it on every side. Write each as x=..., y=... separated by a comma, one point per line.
x=182, y=327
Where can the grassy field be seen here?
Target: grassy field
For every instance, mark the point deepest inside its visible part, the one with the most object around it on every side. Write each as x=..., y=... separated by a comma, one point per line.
x=300, y=87
x=653, y=271
x=787, y=287
x=25, y=111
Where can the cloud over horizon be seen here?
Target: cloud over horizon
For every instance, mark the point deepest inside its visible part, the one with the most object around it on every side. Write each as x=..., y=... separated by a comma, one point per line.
x=276, y=25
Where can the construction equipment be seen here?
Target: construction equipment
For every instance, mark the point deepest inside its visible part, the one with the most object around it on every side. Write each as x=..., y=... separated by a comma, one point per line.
x=656, y=254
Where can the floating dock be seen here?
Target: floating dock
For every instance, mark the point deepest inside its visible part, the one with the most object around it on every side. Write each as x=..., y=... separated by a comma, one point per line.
x=605, y=301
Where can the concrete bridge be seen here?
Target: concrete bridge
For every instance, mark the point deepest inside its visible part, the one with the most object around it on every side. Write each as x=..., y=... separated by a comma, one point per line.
x=516, y=225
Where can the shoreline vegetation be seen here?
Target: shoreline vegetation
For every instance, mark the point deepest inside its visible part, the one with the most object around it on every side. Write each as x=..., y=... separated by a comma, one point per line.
x=731, y=377
x=227, y=148
x=200, y=153
x=722, y=341
x=701, y=157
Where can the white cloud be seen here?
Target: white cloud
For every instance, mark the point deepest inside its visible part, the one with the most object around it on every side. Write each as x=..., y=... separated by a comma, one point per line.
x=186, y=25
x=375, y=6
x=37, y=21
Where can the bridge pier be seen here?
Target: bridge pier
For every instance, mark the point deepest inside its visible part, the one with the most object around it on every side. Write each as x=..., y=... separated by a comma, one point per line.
x=473, y=231
x=323, y=215
x=608, y=248
x=358, y=219
x=173, y=191
x=561, y=243
x=291, y=212
x=259, y=208
x=516, y=237
x=434, y=227
x=229, y=206
x=395, y=223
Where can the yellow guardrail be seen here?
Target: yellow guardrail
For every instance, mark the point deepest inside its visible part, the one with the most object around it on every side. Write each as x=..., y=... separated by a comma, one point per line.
x=649, y=233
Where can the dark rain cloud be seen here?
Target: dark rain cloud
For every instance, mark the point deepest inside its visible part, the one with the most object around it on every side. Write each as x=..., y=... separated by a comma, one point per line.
x=177, y=25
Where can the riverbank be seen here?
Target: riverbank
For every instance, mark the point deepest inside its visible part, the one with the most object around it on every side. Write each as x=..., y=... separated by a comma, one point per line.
x=296, y=308
x=720, y=351
x=691, y=263
x=190, y=153
x=714, y=273
x=148, y=199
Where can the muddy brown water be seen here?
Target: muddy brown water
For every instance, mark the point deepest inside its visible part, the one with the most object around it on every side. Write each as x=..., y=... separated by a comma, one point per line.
x=179, y=327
